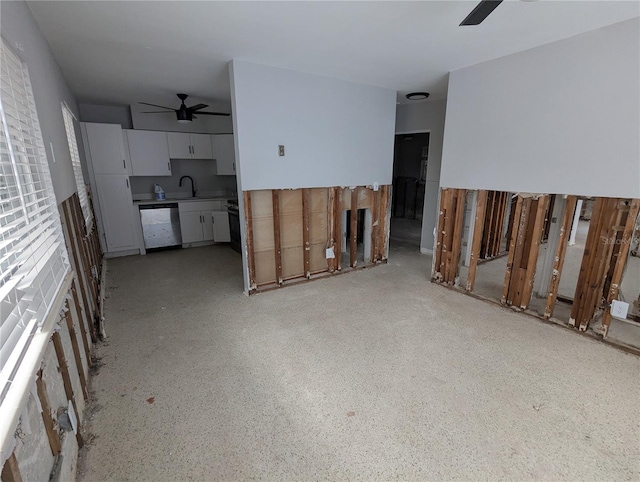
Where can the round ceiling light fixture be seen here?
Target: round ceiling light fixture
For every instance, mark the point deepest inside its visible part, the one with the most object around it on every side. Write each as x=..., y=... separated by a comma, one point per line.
x=417, y=95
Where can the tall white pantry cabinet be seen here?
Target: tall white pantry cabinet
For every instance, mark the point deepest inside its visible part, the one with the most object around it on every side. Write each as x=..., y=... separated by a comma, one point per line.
x=109, y=171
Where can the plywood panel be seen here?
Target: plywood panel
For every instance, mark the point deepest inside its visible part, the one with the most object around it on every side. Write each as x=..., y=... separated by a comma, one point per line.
x=263, y=245
x=318, y=228
x=265, y=267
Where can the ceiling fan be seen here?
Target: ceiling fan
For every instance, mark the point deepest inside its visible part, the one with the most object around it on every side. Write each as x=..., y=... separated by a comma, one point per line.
x=183, y=113
x=482, y=11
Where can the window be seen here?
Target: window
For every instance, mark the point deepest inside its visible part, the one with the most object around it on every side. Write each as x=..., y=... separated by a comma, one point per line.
x=33, y=258
x=75, y=161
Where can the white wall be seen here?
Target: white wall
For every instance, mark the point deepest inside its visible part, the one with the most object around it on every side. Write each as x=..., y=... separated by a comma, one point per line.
x=335, y=133
x=421, y=117
x=50, y=89
x=560, y=118
x=107, y=114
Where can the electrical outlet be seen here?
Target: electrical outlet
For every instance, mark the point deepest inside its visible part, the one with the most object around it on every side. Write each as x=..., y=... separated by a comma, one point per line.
x=281, y=150
x=329, y=254
x=619, y=309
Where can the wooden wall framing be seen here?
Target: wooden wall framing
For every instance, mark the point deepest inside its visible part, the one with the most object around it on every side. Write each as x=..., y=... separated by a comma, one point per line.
x=449, y=235
x=603, y=262
x=86, y=260
x=71, y=343
x=289, y=231
x=493, y=226
x=524, y=241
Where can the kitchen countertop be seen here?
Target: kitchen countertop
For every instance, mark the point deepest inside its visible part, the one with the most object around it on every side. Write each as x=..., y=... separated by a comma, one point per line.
x=179, y=200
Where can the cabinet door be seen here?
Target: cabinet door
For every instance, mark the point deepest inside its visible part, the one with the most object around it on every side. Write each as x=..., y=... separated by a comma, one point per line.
x=201, y=146
x=225, y=154
x=191, y=226
x=179, y=145
x=221, y=232
x=207, y=225
x=114, y=196
x=149, y=153
x=106, y=148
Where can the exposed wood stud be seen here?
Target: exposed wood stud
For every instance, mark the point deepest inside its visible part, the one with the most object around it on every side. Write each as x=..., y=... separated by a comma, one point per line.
x=76, y=351
x=84, y=318
x=77, y=238
x=81, y=230
x=75, y=257
x=535, y=237
x=444, y=199
x=595, y=262
x=353, y=227
x=561, y=251
x=383, y=229
x=375, y=226
x=338, y=228
x=513, y=239
x=613, y=211
x=251, y=260
x=49, y=425
x=306, y=201
x=587, y=255
x=11, y=470
x=276, y=234
x=620, y=262
x=331, y=228
x=66, y=379
x=476, y=243
x=458, y=226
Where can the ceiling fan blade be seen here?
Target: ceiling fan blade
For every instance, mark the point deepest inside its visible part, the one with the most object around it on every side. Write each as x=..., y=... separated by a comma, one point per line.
x=214, y=113
x=197, y=107
x=157, y=112
x=482, y=11
x=156, y=105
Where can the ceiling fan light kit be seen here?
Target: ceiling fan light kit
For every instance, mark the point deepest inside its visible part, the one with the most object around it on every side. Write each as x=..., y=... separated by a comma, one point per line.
x=184, y=114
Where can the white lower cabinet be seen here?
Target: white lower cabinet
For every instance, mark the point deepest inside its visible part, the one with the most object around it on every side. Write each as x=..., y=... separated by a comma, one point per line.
x=200, y=221
x=191, y=227
x=114, y=196
x=221, y=233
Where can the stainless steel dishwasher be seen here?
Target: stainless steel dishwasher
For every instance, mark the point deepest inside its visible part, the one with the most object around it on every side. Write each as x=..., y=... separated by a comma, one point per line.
x=160, y=225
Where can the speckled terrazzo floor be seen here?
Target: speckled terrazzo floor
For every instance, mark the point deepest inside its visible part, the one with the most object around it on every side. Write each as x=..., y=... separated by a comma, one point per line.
x=371, y=375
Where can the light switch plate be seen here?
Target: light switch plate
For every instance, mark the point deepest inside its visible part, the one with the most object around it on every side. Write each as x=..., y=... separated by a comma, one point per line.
x=375, y=186
x=281, y=150
x=619, y=309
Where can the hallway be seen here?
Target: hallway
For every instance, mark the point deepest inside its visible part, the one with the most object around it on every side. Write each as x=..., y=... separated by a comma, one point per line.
x=369, y=375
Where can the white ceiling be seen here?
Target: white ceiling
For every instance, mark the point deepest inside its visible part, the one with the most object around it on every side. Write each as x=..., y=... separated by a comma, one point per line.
x=124, y=52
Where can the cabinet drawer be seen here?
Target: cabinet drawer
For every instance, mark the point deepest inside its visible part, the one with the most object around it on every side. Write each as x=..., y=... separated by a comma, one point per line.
x=190, y=206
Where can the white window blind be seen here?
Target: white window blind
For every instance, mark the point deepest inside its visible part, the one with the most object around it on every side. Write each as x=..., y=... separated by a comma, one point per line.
x=33, y=258
x=75, y=161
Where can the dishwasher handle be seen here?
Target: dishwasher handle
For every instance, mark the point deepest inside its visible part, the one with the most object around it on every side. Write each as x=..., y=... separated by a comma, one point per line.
x=159, y=206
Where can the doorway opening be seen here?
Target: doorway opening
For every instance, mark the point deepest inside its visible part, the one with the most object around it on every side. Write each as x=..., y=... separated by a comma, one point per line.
x=410, y=161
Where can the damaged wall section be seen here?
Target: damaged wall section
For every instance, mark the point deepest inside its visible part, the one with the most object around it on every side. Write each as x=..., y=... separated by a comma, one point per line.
x=298, y=234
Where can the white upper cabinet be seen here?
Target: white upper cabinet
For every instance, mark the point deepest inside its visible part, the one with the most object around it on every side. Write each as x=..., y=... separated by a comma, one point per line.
x=225, y=154
x=179, y=145
x=106, y=148
x=183, y=145
x=201, y=146
x=148, y=153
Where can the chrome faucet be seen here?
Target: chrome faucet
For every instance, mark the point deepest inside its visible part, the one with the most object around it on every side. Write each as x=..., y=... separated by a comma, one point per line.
x=193, y=186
